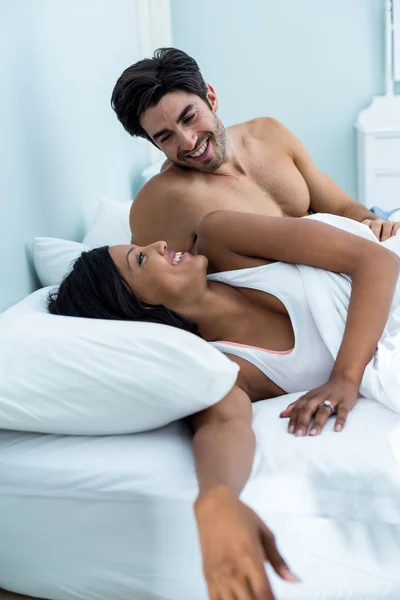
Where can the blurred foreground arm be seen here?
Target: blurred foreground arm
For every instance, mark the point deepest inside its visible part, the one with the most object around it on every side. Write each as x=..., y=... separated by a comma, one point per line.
x=234, y=541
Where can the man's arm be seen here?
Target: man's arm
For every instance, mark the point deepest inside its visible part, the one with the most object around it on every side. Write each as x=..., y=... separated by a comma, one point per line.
x=325, y=195
x=234, y=541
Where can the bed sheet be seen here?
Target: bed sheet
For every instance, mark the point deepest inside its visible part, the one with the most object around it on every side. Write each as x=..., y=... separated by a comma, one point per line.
x=142, y=551
x=353, y=474
x=111, y=517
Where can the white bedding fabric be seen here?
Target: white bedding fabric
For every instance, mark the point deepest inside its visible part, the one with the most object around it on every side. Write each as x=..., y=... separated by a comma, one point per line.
x=328, y=297
x=103, y=518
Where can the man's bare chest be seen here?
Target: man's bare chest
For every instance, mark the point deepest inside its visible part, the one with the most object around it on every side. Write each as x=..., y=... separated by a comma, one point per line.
x=273, y=188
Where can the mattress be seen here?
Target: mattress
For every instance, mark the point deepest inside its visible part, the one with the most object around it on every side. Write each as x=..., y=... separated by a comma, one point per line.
x=111, y=517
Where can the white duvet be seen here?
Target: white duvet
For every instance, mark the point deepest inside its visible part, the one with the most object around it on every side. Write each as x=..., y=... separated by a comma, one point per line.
x=84, y=518
x=328, y=297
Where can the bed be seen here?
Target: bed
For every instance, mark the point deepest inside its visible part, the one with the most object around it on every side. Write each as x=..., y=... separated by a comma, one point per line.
x=111, y=517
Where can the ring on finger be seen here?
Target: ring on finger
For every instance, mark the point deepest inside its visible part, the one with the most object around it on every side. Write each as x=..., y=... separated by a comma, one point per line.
x=329, y=404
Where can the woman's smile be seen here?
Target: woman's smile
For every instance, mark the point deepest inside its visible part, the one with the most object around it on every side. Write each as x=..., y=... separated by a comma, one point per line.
x=177, y=257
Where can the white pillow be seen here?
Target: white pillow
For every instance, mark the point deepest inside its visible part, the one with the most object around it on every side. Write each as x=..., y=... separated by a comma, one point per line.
x=111, y=225
x=69, y=375
x=53, y=257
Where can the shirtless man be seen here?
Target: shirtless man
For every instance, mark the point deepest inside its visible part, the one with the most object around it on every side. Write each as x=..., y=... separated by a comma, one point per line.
x=256, y=167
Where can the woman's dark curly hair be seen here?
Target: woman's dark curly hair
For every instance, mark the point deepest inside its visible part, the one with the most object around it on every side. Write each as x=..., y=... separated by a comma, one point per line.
x=95, y=289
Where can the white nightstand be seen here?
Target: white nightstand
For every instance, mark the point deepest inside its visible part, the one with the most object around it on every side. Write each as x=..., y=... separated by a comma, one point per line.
x=378, y=153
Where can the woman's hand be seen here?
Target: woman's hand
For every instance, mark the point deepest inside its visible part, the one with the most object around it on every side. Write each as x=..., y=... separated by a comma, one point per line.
x=235, y=543
x=342, y=394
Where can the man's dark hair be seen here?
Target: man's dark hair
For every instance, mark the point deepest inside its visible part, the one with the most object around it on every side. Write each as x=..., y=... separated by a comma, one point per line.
x=142, y=85
x=95, y=289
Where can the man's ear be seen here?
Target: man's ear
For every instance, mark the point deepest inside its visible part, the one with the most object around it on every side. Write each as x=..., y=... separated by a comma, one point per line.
x=212, y=97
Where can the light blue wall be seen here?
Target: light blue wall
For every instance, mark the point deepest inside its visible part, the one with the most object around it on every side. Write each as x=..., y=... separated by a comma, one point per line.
x=313, y=64
x=61, y=146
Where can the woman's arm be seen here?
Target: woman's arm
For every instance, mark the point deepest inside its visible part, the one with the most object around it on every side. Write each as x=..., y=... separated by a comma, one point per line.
x=374, y=271
x=233, y=538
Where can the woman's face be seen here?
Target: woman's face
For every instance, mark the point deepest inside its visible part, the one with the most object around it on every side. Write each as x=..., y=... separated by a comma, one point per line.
x=158, y=275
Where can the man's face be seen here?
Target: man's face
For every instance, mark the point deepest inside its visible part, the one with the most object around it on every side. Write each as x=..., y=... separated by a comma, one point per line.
x=187, y=130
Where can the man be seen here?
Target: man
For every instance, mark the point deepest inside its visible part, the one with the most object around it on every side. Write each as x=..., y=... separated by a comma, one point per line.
x=257, y=167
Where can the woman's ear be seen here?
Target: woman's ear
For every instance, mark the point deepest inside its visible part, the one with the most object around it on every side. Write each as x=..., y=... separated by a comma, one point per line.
x=212, y=98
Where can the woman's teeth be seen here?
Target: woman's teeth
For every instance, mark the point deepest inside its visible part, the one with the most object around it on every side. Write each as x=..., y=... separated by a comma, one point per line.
x=176, y=259
x=200, y=151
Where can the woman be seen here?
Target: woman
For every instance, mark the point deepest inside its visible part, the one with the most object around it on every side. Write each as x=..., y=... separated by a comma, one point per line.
x=263, y=315
x=263, y=310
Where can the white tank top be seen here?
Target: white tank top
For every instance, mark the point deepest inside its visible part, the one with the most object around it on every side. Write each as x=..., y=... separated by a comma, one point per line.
x=309, y=363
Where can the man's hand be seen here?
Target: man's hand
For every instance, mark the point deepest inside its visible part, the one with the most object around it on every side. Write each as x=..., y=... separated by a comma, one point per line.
x=235, y=543
x=343, y=396
x=382, y=229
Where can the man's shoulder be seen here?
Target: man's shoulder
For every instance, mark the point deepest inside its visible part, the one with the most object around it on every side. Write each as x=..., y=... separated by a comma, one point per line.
x=166, y=183
x=267, y=131
x=259, y=126
x=168, y=191
x=165, y=208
